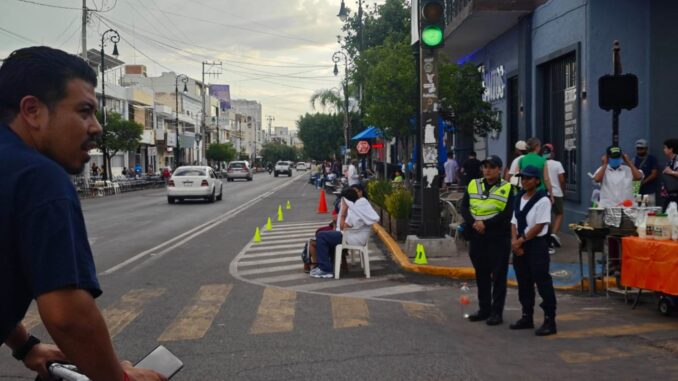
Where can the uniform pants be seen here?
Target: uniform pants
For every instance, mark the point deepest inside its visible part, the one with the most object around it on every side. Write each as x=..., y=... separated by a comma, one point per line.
x=533, y=268
x=490, y=258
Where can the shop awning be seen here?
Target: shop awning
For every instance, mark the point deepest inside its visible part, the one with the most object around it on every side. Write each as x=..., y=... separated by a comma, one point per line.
x=369, y=133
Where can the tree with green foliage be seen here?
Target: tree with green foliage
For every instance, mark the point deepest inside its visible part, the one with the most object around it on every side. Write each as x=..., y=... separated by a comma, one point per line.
x=224, y=152
x=273, y=152
x=460, y=92
x=119, y=135
x=322, y=134
x=391, y=95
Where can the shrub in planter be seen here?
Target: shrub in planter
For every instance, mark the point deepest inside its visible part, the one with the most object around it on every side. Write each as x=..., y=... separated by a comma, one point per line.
x=399, y=207
x=377, y=191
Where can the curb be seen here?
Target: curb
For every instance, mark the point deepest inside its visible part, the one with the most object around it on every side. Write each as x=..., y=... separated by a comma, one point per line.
x=459, y=273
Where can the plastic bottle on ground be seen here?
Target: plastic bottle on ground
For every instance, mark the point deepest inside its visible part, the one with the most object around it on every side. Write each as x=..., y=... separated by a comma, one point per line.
x=465, y=300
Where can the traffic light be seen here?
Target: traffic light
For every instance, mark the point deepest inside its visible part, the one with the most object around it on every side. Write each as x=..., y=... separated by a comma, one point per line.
x=432, y=23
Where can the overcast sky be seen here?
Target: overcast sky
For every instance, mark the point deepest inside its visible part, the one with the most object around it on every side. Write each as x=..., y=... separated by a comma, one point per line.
x=277, y=52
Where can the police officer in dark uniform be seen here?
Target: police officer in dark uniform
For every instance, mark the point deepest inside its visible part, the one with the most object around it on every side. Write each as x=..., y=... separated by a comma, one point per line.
x=487, y=208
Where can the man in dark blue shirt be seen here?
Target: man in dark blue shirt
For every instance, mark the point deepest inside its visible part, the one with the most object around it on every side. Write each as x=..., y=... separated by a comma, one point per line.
x=47, y=127
x=650, y=167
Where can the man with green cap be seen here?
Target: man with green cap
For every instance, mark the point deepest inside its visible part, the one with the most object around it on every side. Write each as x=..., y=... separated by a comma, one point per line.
x=616, y=180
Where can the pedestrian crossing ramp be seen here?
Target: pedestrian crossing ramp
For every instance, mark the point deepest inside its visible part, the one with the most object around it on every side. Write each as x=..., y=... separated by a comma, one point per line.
x=275, y=261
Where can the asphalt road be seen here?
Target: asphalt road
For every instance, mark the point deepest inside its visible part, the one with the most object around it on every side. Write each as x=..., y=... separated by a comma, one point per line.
x=190, y=277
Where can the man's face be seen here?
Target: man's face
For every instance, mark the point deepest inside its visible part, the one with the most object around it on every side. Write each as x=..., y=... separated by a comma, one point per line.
x=491, y=172
x=668, y=152
x=529, y=183
x=641, y=151
x=71, y=127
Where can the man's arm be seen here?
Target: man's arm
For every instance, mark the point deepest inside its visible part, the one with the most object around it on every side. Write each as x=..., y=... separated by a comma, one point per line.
x=547, y=180
x=75, y=323
x=37, y=357
x=637, y=175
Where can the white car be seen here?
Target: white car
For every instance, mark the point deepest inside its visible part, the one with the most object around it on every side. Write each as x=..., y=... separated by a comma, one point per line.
x=194, y=182
x=301, y=166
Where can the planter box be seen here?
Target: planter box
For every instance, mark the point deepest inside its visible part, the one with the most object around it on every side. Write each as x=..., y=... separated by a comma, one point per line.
x=399, y=229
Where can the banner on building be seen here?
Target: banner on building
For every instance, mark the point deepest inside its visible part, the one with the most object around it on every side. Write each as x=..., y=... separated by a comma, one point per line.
x=223, y=93
x=171, y=139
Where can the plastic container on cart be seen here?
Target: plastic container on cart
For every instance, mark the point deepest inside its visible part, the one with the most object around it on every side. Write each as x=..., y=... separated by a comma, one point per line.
x=672, y=212
x=649, y=225
x=662, y=227
x=641, y=225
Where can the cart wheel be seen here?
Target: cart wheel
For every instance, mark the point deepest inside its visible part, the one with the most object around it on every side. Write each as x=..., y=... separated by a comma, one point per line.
x=665, y=307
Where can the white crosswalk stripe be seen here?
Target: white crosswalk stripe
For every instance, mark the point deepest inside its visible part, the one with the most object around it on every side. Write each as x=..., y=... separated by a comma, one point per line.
x=276, y=261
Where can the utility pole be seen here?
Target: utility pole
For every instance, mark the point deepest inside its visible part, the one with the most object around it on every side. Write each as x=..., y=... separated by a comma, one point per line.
x=270, y=120
x=83, y=33
x=210, y=65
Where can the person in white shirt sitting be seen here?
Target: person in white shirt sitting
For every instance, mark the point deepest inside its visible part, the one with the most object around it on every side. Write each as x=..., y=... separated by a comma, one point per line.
x=616, y=180
x=356, y=214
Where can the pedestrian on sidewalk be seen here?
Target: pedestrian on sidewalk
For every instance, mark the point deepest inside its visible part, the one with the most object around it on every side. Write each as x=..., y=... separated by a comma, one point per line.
x=557, y=178
x=534, y=158
x=471, y=169
x=48, y=125
x=649, y=165
x=487, y=208
x=531, y=260
x=520, y=150
x=451, y=169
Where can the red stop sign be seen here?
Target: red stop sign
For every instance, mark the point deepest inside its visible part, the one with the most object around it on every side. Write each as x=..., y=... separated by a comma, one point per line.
x=363, y=147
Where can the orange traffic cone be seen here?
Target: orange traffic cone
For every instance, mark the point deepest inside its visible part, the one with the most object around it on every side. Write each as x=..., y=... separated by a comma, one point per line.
x=322, y=203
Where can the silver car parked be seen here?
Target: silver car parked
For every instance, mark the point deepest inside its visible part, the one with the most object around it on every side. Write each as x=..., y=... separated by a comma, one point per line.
x=194, y=182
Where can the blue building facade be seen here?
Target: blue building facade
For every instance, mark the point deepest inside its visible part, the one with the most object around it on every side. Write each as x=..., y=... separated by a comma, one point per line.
x=541, y=60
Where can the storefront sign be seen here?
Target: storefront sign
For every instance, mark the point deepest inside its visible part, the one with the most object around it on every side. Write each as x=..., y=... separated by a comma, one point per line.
x=570, y=118
x=171, y=139
x=494, y=83
x=363, y=147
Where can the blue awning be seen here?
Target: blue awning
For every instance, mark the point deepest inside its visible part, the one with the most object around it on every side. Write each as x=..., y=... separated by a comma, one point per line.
x=368, y=133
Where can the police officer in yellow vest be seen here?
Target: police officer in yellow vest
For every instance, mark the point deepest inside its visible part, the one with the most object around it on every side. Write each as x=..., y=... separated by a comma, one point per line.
x=487, y=207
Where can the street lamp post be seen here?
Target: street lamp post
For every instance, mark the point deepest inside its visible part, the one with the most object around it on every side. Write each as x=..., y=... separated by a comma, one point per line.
x=336, y=58
x=200, y=137
x=184, y=79
x=113, y=37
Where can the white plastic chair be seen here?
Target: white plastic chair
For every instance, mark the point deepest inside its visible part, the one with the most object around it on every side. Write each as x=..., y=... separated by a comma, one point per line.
x=363, y=250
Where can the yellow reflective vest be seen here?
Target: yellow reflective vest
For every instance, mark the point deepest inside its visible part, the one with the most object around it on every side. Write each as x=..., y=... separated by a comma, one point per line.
x=484, y=206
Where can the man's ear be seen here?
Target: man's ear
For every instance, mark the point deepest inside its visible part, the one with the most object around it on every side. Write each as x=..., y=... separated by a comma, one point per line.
x=33, y=111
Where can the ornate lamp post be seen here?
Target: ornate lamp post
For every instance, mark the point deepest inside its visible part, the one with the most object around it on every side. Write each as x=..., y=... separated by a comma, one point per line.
x=336, y=58
x=114, y=37
x=184, y=79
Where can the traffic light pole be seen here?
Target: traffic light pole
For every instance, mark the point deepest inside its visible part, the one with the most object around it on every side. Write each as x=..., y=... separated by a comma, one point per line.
x=428, y=148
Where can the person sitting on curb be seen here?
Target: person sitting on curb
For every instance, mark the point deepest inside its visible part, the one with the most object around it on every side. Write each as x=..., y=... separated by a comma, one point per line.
x=355, y=213
x=531, y=260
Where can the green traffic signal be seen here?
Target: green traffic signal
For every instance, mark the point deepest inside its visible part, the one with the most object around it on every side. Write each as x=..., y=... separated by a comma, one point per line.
x=432, y=23
x=432, y=36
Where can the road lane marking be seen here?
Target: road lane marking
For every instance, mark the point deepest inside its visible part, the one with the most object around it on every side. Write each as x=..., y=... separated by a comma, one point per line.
x=579, y=315
x=616, y=330
x=294, y=225
x=282, y=278
x=31, y=320
x=295, y=258
x=274, y=254
x=129, y=307
x=293, y=233
x=393, y=290
x=283, y=240
x=417, y=311
x=276, y=312
x=256, y=247
x=195, y=319
x=270, y=269
x=322, y=284
x=349, y=312
x=604, y=354
x=198, y=230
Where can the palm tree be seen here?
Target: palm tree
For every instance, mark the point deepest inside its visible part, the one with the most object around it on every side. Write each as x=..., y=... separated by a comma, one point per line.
x=328, y=98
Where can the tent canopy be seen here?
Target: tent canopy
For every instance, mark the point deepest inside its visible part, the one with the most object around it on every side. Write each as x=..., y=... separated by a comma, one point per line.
x=370, y=132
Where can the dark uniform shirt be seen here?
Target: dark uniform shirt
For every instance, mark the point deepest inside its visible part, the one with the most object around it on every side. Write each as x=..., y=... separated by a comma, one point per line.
x=499, y=225
x=43, y=241
x=647, y=164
